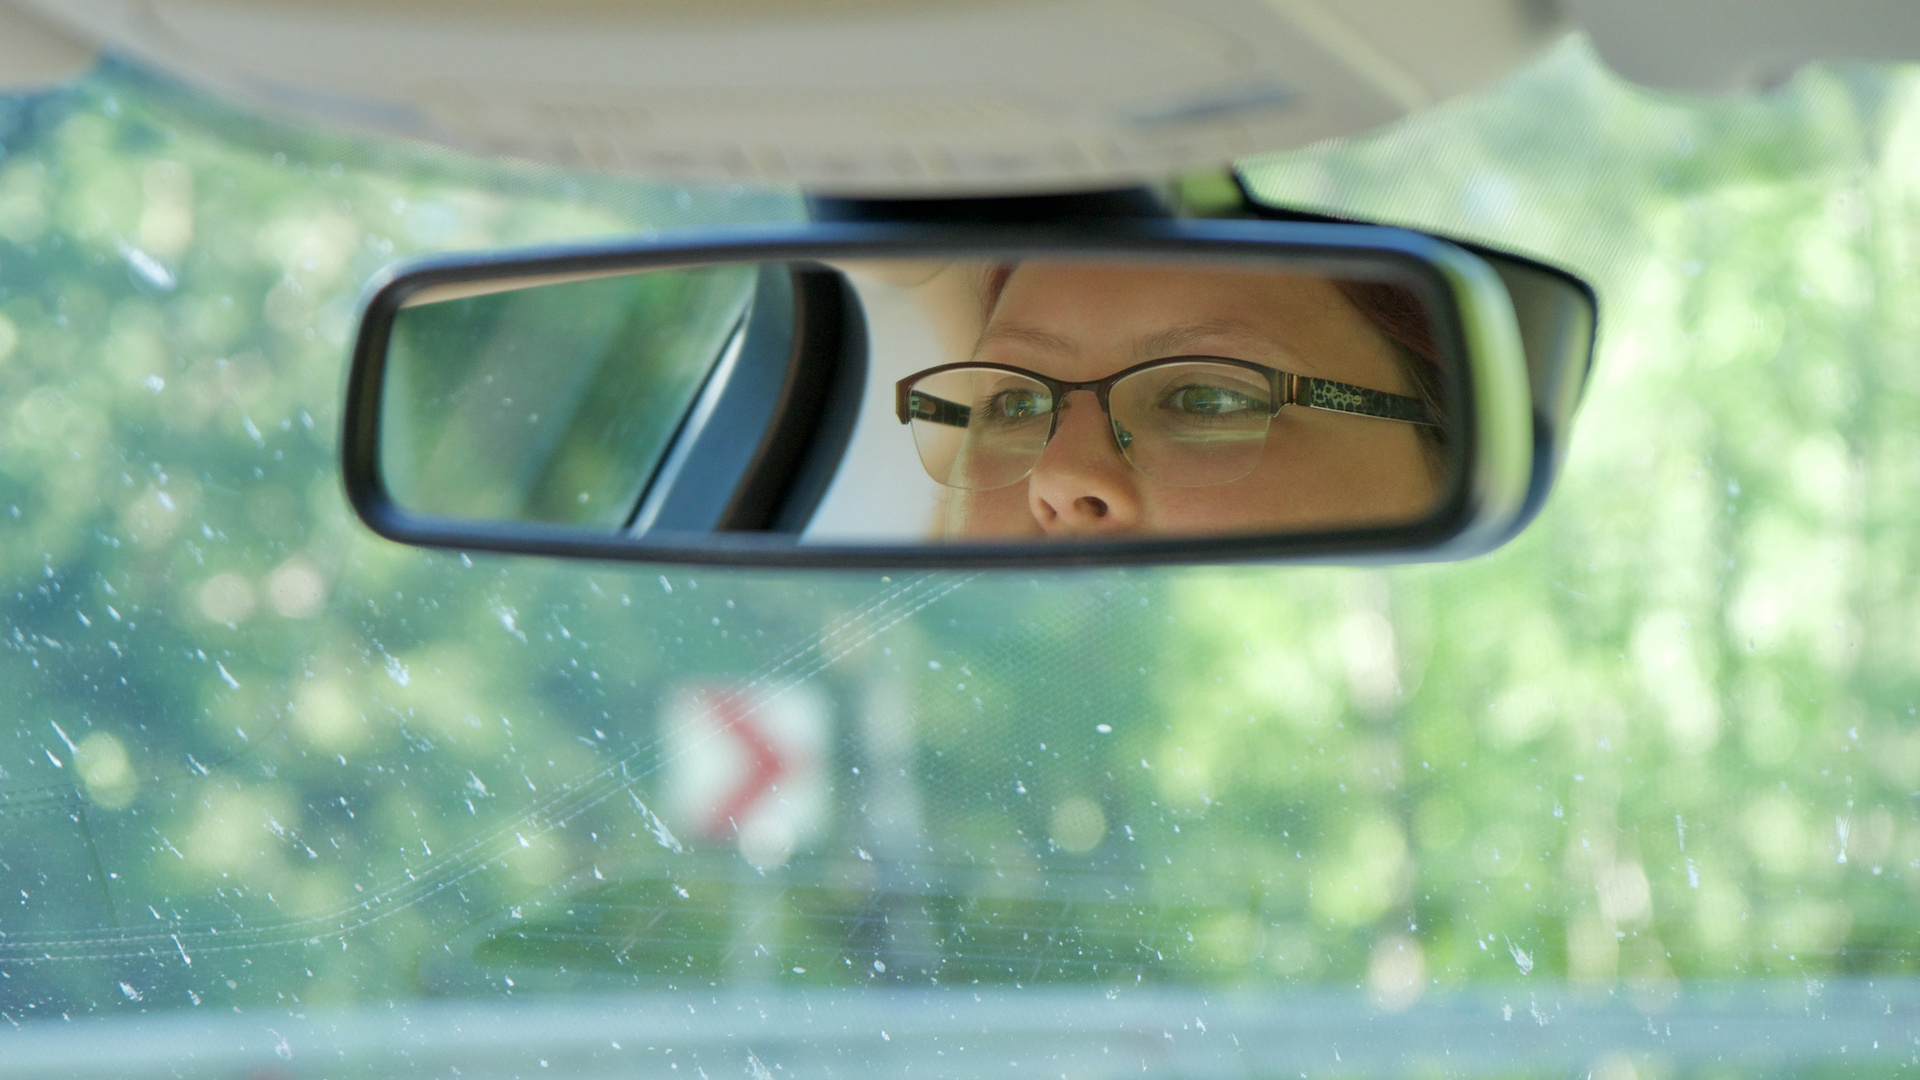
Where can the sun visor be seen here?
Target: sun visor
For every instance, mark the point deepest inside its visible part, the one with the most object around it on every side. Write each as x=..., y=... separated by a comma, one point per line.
x=843, y=96
x=37, y=53
x=1722, y=47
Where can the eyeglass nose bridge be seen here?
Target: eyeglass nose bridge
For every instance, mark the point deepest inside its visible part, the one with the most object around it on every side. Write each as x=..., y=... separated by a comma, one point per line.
x=1101, y=389
x=1285, y=388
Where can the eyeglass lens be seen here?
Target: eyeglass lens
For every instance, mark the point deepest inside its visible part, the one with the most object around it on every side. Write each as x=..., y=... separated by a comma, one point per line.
x=1186, y=424
x=979, y=428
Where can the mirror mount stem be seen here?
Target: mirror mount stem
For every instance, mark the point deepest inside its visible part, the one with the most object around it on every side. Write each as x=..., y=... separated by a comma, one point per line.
x=1135, y=203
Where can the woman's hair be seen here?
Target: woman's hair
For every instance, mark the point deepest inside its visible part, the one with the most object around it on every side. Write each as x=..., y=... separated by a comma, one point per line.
x=1396, y=314
x=993, y=282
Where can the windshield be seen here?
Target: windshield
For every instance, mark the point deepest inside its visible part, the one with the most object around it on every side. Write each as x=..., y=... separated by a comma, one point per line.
x=1631, y=797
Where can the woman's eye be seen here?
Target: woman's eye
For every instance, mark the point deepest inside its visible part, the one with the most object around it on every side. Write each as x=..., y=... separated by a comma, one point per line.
x=1207, y=401
x=1015, y=405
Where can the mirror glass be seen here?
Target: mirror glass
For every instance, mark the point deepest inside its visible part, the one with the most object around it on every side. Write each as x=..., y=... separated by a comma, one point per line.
x=550, y=404
x=925, y=401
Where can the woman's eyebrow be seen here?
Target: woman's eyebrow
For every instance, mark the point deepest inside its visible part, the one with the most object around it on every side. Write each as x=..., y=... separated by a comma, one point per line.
x=1168, y=342
x=1177, y=339
x=1031, y=336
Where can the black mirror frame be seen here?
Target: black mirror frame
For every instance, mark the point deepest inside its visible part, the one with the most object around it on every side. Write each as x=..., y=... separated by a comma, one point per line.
x=1473, y=312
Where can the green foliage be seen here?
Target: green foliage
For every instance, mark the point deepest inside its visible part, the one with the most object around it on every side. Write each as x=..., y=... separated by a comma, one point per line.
x=1670, y=731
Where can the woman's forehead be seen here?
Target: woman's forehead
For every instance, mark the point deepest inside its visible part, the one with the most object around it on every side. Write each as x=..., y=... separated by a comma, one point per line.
x=1066, y=310
x=1038, y=293
x=1150, y=339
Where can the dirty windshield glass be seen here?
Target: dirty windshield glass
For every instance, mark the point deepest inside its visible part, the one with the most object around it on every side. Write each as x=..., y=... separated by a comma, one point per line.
x=1632, y=797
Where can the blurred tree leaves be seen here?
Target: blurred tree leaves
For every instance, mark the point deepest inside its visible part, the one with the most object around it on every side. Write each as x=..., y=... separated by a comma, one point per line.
x=1674, y=706
x=254, y=755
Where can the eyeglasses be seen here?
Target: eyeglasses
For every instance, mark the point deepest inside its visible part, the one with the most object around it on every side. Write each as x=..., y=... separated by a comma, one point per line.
x=1185, y=421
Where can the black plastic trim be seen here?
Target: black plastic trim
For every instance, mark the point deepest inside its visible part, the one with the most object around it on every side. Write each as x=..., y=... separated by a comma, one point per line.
x=833, y=368
x=815, y=355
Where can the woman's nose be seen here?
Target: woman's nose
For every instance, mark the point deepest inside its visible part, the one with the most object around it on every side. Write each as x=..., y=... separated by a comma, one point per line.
x=1081, y=483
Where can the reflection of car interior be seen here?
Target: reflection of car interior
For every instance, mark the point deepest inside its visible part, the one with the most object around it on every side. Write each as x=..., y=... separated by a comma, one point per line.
x=790, y=376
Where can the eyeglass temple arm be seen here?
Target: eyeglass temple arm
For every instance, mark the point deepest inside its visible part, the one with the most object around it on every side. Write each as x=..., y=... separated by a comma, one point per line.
x=1333, y=396
x=919, y=405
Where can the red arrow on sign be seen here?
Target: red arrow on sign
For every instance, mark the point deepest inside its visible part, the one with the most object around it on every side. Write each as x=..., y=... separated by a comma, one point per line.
x=765, y=766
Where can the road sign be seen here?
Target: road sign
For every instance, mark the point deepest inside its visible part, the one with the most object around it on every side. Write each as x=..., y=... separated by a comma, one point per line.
x=749, y=769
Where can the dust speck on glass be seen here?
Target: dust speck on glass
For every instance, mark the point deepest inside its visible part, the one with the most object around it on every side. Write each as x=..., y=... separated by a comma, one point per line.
x=1632, y=797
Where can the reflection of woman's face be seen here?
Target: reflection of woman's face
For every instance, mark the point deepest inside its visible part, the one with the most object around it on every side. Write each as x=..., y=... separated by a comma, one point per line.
x=1079, y=322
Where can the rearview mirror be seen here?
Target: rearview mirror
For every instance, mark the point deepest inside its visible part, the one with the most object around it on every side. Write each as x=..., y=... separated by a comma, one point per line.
x=885, y=394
